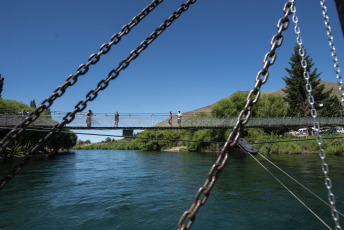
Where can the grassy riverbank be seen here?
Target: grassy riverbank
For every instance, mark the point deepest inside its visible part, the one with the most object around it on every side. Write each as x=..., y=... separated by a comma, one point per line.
x=332, y=144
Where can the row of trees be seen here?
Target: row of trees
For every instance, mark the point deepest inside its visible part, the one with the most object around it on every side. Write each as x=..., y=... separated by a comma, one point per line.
x=62, y=141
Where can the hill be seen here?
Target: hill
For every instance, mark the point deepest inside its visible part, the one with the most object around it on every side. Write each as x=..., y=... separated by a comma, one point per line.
x=207, y=109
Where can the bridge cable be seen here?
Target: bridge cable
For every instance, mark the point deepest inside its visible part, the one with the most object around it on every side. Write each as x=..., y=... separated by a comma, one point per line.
x=333, y=49
x=103, y=84
x=296, y=197
x=296, y=181
x=316, y=126
x=72, y=79
x=242, y=120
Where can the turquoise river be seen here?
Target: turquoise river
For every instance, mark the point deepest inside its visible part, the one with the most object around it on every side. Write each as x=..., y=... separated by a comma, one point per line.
x=112, y=189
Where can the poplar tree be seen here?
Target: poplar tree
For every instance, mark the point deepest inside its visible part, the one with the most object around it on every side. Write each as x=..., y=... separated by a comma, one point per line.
x=33, y=104
x=1, y=85
x=296, y=94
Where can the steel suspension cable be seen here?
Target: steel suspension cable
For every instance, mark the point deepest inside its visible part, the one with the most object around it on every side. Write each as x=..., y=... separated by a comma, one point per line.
x=316, y=126
x=296, y=181
x=333, y=49
x=72, y=79
x=296, y=197
x=242, y=120
x=79, y=107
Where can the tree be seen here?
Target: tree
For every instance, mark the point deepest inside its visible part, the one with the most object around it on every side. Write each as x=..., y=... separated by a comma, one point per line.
x=231, y=107
x=33, y=104
x=12, y=106
x=267, y=106
x=63, y=141
x=270, y=106
x=297, y=95
x=1, y=84
x=29, y=138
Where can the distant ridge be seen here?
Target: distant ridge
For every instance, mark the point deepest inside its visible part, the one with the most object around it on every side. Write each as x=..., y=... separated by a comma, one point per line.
x=328, y=86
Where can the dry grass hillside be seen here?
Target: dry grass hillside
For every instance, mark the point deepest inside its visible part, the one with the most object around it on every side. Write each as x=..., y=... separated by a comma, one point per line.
x=207, y=109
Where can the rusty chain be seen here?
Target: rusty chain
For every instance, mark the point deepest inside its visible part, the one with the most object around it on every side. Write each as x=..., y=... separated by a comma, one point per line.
x=72, y=79
x=91, y=95
x=203, y=192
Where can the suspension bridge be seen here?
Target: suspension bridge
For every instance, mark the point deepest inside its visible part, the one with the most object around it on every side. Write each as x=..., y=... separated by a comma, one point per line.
x=143, y=121
x=77, y=120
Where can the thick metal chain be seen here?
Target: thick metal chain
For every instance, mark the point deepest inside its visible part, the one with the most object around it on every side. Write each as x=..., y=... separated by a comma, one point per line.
x=333, y=49
x=72, y=79
x=311, y=101
x=79, y=107
x=203, y=193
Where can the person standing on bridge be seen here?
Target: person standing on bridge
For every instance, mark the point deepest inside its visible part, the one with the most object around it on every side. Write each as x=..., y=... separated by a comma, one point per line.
x=170, y=119
x=23, y=113
x=89, y=118
x=116, y=119
x=179, y=117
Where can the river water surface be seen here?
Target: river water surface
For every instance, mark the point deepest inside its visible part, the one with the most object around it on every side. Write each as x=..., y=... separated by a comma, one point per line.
x=112, y=189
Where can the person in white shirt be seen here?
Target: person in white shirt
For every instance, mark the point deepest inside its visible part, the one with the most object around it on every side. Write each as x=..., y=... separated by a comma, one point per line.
x=179, y=118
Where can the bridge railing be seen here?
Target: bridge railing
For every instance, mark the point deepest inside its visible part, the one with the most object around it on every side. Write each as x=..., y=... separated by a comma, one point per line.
x=98, y=120
x=9, y=120
x=160, y=120
x=294, y=121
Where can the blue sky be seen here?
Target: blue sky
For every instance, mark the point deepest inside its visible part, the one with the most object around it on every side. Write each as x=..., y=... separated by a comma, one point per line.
x=213, y=50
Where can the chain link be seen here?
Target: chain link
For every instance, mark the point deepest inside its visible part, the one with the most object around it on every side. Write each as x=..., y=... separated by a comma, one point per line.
x=72, y=79
x=333, y=49
x=316, y=125
x=203, y=193
x=81, y=105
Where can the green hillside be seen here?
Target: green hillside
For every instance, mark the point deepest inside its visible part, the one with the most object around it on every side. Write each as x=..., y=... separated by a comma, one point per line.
x=328, y=86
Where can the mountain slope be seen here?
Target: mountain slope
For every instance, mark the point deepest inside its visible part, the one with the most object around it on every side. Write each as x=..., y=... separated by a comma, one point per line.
x=328, y=86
